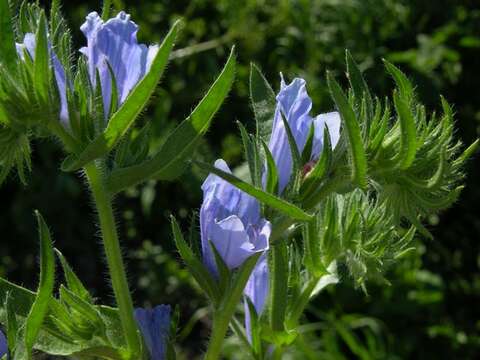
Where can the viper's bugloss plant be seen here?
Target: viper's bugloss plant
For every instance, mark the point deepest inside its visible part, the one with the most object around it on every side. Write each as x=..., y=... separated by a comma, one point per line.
x=329, y=198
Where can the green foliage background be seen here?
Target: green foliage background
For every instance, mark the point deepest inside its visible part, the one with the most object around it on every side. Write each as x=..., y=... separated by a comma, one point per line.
x=430, y=311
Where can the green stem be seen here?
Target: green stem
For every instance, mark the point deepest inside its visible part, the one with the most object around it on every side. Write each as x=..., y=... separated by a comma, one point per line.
x=277, y=353
x=113, y=253
x=219, y=330
x=279, y=284
x=226, y=310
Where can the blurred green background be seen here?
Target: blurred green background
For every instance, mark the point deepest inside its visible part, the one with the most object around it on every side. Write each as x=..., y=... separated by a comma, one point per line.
x=432, y=309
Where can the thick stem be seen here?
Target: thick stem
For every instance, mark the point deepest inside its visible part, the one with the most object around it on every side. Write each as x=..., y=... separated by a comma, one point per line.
x=113, y=253
x=219, y=330
x=279, y=285
x=277, y=353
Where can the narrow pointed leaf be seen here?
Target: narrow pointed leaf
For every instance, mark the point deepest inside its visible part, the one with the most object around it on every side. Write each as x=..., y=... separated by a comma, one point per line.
x=197, y=269
x=106, y=9
x=314, y=177
x=358, y=84
x=73, y=282
x=408, y=143
x=42, y=61
x=296, y=157
x=39, y=308
x=249, y=151
x=404, y=85
x=124, y=118
x=170, y=160
x=85, y=309
x=307, y=150
x=222, y=269
x=12, y=325
x=467, y=153
x=272, y=171
x=263, y=102
x=264, y=197
x=255, y=327
x=359, y=158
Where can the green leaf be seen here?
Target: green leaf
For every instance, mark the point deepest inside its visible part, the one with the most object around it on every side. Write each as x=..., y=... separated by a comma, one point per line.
x=85, y=309
x=222, y=268
x=106, y=9
x=12, y=325
x=255, y=327
x=263, y=102
x=359, y=158
x=8, y=52
x=314, y=178
x=408, y=143
x=249, y=149
x=169, y=162
x=307, y=149
x=358, y=84
x=296, y=157
x=380, y=131
x=124, y=118
x=272, y=171
x=41, y=75
x=197, y=269
x=404, y=85
x=53, y=342
x=264, y=197
x=467, y=153
x=73, y=282
x=45, y=289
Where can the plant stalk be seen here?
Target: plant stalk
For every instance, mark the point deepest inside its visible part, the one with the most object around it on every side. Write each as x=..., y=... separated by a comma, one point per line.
x=224, y=313
x=103, y=203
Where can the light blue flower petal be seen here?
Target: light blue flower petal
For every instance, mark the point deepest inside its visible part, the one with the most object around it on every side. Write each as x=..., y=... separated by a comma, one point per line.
x=294, y=104
x=333, y=121
x=230, y=219
x=257, y=291
x=114, y=43
x=155, y=326
x=231, y=241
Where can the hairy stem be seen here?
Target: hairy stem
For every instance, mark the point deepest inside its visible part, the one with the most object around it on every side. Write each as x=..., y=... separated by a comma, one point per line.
x=103, y=203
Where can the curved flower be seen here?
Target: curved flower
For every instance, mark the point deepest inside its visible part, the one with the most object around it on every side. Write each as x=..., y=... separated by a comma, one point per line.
x=230, y=220
x=28, y=46
x=112, y=47
x=155, y=326
x=257, y=291
x=3, y=345
x=294, y=104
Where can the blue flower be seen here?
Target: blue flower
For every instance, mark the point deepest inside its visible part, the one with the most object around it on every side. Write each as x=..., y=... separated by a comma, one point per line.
x=257, y=291
x=28, y=47
x=230, y=220
x=3, y=345
x=155, y=326
x=114, y=44
x=294, y=104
